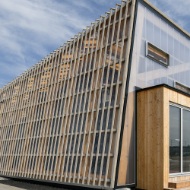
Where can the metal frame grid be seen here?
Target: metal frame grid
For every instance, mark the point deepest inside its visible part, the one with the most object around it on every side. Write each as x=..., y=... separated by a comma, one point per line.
x=60, y=121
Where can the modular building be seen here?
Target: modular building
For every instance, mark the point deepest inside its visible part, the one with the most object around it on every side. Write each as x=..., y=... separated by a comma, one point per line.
x=109, y=109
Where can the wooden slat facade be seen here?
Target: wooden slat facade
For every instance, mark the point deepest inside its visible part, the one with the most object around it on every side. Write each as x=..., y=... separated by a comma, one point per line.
x=60, y=121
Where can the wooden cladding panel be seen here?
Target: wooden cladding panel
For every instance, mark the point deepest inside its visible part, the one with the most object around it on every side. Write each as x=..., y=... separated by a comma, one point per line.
x=150, y=139
x=153, y=136
x=126, y=177
x=175, y=179
x=60, y=121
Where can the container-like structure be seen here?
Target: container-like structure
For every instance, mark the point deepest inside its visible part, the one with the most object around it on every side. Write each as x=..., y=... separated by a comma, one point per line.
x=72, y=118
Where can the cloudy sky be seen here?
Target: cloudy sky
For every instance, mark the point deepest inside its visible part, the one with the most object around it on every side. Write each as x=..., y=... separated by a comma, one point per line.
x=31, y=29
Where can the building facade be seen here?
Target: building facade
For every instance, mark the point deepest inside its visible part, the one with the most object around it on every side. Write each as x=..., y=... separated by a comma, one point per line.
x=86, y=114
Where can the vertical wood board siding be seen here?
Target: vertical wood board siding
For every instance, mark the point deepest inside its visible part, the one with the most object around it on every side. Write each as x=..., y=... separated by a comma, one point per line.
x=153, y=136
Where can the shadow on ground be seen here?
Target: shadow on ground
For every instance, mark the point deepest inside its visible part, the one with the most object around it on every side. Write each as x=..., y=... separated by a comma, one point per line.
x=11, y=184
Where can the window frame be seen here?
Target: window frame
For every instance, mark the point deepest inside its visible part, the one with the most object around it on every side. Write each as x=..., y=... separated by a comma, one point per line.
x=182, y=87
x=165, y=64
x=181, y=173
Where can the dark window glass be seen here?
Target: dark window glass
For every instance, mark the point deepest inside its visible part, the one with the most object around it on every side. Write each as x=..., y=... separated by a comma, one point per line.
x=98, y=165
x=90, y=80
x=102, y=143
x=93, y=164
x=81, y=143
x=99, y=120
x=62, y=106
x=175, y=150
x=77, y=144
x=96, y=143
x=104, y=165
x=104, y=119
x=110, y=119
x=113, y=97
x=68, y=143
x=73, y=165
x=186, y=141
x=74, y=103
x=52, y=126
x=107, y=143
x=78, y=165
x=54, y=162
x=69, y=164
x=56, y=145
x=64, y=167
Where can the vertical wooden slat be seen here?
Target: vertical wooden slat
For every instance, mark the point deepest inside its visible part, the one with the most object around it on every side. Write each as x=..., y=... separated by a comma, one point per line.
x=70, y=100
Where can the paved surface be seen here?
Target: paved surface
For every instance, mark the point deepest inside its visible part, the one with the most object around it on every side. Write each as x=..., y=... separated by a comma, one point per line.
x=9, y=184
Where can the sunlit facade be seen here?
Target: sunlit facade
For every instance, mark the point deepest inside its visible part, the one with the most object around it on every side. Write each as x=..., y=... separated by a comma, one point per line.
x=72, y=118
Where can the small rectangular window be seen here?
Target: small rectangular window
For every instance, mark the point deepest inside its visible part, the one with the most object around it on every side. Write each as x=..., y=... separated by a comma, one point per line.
x=182, y=87
x=157, y=54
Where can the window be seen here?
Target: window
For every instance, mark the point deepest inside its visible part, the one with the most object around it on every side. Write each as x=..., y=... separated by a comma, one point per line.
x=179, y=139
x=157, y=54
x=182, y=87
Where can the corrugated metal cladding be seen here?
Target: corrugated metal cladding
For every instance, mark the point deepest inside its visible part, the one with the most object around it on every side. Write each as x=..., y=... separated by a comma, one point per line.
x=60, y=121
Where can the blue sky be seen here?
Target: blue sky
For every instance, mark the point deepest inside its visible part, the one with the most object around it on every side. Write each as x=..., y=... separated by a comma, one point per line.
x=31, y=29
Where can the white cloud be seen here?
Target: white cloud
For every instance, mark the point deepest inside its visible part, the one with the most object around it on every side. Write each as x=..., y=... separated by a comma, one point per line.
x=177, y=10
x=31, y=29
